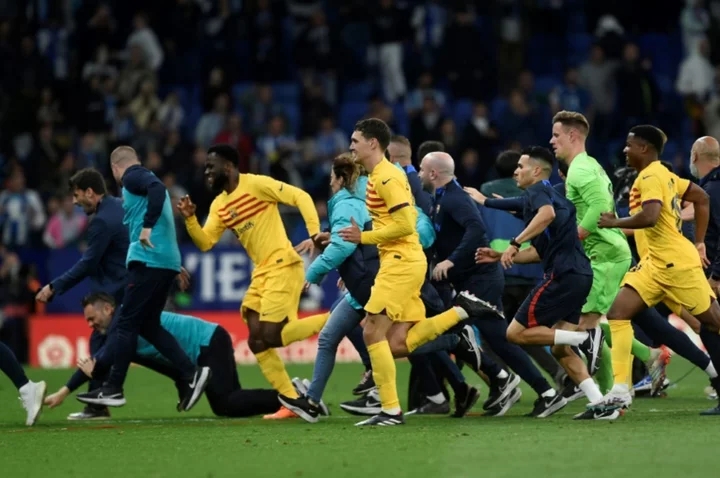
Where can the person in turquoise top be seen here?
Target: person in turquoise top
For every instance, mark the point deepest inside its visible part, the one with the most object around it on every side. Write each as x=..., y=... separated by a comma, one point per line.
x=589, y=188
x=206, y=344
x=153, y=262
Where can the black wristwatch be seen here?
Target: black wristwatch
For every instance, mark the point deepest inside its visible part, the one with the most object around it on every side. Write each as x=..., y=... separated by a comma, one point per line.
x=515, y=243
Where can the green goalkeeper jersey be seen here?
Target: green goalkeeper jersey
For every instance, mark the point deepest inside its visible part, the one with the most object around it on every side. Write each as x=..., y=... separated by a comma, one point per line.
x=589, y=188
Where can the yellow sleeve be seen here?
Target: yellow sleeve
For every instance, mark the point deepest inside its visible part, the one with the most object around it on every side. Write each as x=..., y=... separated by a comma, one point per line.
x=403, y=225
x=269, y=189
x=651, y=189
x=207, y=236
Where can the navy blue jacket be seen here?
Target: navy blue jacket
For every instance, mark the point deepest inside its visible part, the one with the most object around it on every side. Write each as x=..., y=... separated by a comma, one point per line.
x=711, y=184
x=103, y=262
x=358, y=271
x=460, y=231
x=423, y=200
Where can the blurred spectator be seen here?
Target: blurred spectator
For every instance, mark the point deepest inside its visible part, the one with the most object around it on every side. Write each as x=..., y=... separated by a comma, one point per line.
x=100, y=29
x=426, y=125
x=146, y=104
x=45, y=157
x=638, y=94
x=265, y=18
x=235, y=136
x=449, y=137
x=469, y=171
x=49, y=110
x=183, y=24
x=123, y=127
x=712, y=109
x=695, y=22
x=569, y=96
x=378, y=109
x=610, y=35
x=216, y=86
x=526, y=85
x=18, y=284
x=315, y=107
x=92, y=114
x=276, y=149
x=171, y=114
x=212, y=122
x=32, y=71
x=425, y=88
x=89, y=154
x=511, y=47
x=597, y=75
x=100, y=66
x=177, y=156
x=330, y=141
x=134, y=73
x=479, y=133
x=429, y=20
x=144, y=38
x=519, y=123
x=314, y=52
x=150, y=139
x=66, y=226
x=390, y=29
x=21, y=211
x=696, y=77
x=260, y=107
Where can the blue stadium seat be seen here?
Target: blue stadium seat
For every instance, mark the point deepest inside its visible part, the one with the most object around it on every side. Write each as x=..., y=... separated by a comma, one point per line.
x=287, y=92
x=292, y=114
x=498, y=107
x=357, y=91
x=462, y=111
x=350, y=113
x=402, y=120
x=238, y=91
x=672, y=148
x=545, y=84
x=665, y=53
x=578, y=47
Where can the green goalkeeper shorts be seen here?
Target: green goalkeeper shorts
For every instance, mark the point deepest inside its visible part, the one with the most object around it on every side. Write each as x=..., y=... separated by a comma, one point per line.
x=607, y=277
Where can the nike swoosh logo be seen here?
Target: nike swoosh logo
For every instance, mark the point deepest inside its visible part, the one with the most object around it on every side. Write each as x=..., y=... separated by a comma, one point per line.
x=645, y=177
x=194, y=382
x=281, y=187
x=386, y=181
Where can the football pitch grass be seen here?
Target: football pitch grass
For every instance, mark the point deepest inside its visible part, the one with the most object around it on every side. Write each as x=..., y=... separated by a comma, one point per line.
x=662, y=437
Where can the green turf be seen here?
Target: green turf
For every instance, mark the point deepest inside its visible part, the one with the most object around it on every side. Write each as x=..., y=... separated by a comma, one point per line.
x=148, y=438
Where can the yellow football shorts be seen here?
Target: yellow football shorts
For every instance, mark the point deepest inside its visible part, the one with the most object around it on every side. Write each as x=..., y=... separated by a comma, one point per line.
x=274, y=293
x=397, y=289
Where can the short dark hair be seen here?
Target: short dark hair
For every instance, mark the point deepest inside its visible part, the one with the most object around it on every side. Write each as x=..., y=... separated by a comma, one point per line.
x=95, y=297
x=226, y=152
x=539, y=153
x=374, y=128
x=572, y=119
x=428, y=147
x=652, y=135
x=88, y=178
x=506, y=163
x=563, y=168
x=398, y=138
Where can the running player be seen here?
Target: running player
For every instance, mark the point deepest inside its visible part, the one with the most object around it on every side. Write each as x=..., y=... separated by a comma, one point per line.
x=671, y=269
x=395, y=312
x=31, y=393
x=247, y=204
x=551, y=313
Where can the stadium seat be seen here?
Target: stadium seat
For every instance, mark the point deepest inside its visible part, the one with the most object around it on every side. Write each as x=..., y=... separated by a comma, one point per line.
x=357, y=91
x=238, y=91
x=545, y=84
x=672, y=148
x=664, y=53
x=286, y=92
x=292, y=114
x=498, y=107
x=402, y=121
x=462, y=111
x=578, y=47
x=350, y=113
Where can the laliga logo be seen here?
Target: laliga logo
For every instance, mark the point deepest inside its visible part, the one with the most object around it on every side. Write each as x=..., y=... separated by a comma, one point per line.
x=55, y=351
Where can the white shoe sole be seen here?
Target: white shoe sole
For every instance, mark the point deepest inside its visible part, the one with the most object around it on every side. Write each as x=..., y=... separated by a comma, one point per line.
x=108, y=402
x=558, y=406
x=575, y=396
x=506, y=393
x=369, y=411
x=85, y=419
x=298, y=411
x=512, y=400
x=38, y=402
x=471, y=340
x=596, y=344
x=202, y=382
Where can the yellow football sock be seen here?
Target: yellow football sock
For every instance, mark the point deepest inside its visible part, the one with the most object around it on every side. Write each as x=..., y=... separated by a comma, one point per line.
x=383, y=366
x=428, y=329
x=622, y=338
x=273, y=368
x=301, y=329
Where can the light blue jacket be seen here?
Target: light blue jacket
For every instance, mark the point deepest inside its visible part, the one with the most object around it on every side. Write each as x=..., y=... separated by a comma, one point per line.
x=424, y=225
x=341, y=207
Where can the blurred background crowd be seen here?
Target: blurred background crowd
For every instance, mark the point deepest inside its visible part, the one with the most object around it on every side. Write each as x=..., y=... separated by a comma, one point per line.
x=285, y=80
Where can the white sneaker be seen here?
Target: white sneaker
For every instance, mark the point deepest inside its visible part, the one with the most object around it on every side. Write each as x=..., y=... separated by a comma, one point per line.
x=617, y=398
x=32, y=395
x=300, y=387
x=657, y=365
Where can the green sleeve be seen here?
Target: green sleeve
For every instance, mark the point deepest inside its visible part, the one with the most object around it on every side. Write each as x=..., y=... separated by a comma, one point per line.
x=595, y=196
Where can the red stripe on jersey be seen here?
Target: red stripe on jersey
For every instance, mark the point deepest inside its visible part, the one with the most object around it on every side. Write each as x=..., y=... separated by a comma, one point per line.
x=375, y=206
x=532, y=321
x=241, y=208
x=248, y=216
x=226, y=206
x=374, y=200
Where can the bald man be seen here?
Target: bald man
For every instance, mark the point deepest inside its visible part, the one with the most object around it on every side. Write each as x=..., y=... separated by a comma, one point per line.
x=153, y=261
x=399, y=152
x=460, y=231
x=705, y=165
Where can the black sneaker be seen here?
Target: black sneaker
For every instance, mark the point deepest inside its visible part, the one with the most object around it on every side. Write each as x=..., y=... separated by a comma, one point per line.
x=468, y=349
x=91, y=412
x=598, y=415
x=302, y=407
x=475, y=307
x=369, y=404
x=382, y=420
x=713, y=411
x=465, y=402
x=106, y=396
x=546, y=406
x=501, y=388
x=196, y=388
x=592, y=349
x=570, y=391
x=505, y=404
x=367, y=383
x=431, y=408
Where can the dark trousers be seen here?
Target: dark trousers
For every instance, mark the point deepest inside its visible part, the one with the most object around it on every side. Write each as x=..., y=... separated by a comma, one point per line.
x=226, y=396
x=144, y=300
x=494, y=331
x=512, y=299
x=11, y=367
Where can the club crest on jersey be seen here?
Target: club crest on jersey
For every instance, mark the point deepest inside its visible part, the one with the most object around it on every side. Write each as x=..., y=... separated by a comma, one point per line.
x=233, y=214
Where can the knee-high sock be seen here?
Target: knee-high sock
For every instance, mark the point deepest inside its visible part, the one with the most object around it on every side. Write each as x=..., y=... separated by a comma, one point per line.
x=426, y=330
x=640, y=350
x=303, y=328
x=604, y=374
x=622, y=338
x=274, y=371
x=12, y=368
x=711, y=340
x=608, y=336
x=384, y=373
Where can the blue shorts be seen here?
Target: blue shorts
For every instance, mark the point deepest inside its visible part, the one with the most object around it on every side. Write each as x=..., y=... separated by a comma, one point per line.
x=554, y=299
